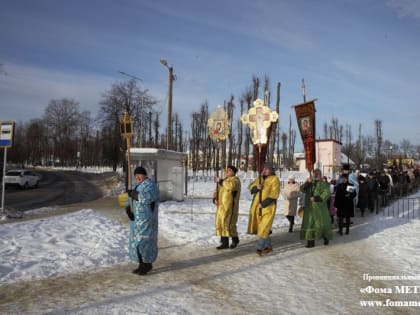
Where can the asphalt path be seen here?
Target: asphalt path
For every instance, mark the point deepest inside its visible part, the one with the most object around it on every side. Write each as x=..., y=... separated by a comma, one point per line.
x=56, y=188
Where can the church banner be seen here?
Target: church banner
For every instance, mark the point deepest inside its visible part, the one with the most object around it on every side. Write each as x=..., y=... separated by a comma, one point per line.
x=305, y=115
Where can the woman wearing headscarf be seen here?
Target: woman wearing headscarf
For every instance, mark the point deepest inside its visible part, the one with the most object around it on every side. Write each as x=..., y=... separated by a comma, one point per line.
x=291, y=194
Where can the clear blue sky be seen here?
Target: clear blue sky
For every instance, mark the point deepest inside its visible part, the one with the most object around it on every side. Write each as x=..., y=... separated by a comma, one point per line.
x=359, y=58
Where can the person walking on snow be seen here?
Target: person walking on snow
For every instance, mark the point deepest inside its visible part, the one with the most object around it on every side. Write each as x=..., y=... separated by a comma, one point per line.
x=316, y=221
x=227, y=202
x=291, y=194
x=261, y=213
x=143, y=242
x=344, y=197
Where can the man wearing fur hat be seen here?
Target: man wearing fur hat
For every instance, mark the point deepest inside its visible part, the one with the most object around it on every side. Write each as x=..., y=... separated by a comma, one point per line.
x=291, y=194
x=226, y=198
x=144, y=221
x=263, y=208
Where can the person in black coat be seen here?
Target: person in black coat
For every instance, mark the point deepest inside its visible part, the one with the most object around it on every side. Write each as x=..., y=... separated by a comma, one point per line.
x=344, y=203
x=372, y=183
x=363, y=197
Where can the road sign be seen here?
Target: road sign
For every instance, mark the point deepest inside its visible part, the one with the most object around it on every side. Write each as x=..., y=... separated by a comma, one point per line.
x=6, y=133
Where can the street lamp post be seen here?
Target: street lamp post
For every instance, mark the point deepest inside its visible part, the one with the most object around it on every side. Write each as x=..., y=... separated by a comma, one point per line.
x=171, y=79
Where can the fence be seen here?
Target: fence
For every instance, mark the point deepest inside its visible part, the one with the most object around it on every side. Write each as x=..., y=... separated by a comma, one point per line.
x=408, y=208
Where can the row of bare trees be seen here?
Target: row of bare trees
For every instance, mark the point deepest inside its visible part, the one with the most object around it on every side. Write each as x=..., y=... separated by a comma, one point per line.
x=69, y=137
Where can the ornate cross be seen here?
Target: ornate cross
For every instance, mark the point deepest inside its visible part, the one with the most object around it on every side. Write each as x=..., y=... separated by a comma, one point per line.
x=259, y=119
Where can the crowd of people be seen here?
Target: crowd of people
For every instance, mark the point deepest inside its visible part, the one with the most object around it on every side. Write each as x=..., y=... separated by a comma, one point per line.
x=323, y=201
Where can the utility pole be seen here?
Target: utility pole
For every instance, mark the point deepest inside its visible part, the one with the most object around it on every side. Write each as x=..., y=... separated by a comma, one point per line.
x=172, y=77
x=303, y=90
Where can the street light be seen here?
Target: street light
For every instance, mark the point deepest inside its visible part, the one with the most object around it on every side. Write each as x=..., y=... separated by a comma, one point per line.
x=171, y=79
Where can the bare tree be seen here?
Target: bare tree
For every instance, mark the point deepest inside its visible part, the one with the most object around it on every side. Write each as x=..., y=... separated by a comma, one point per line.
x=62, y=118
x=247, y=97
x=231, y=137
x=36, y=142
x=200, y=143
x=240, y=133
x=378, y=130
x=124, y=96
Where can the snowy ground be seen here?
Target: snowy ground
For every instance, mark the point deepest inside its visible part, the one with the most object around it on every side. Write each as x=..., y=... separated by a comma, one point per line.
x=76, y=263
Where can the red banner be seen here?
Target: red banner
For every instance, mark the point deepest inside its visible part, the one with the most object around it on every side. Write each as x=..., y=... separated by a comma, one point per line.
x=305, y=115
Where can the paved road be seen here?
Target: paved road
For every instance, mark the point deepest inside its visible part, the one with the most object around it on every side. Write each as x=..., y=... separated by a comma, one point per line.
x=56, y=188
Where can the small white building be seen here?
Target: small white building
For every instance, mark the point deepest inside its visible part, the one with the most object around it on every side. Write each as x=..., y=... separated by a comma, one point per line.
x=167, y=168
x=328, y=157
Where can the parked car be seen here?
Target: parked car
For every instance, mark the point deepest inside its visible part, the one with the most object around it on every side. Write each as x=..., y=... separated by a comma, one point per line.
x=22, y=178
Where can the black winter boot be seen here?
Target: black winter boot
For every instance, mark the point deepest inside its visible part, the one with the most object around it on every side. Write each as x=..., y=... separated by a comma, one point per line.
x=340, y=225
x=137, y=270
x=145, y=268
x=235, y=242
x=310, y=244
x=225, y=243
x=347, y=225
x=291, y=222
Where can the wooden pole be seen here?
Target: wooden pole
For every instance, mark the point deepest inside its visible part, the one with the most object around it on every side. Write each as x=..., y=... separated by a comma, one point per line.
x=259, y=178
x=217, y=170
x=130, y=182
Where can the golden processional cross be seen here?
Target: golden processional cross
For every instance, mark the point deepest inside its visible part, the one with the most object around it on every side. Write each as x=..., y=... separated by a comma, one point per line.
x=259, y=119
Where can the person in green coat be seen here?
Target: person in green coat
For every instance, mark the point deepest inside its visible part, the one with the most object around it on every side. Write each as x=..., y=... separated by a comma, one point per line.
x=316, y=222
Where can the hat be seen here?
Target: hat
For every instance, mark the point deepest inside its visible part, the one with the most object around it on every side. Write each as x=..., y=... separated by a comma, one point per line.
x=269, y=166
x=344, y=175
x=290, y=177
x=233, y=168
x=346, y=167
x=140, y=170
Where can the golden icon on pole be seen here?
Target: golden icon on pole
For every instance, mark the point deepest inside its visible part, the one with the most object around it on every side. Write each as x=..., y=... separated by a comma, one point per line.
x=218, y=128
x=218, y=124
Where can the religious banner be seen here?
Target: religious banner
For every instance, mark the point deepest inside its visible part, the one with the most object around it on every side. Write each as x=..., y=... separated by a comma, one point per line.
x=218, y=125
x=305, y=115
x=218, y=128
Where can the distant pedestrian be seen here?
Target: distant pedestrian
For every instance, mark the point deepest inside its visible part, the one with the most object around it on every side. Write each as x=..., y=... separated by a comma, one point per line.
x=144, y=228
x=363, y=198
x=331, y=207
x=344, y=197
x=372, y=184
x=263, y=208
x=291, y=193
x=226, y=198
x=384, y=189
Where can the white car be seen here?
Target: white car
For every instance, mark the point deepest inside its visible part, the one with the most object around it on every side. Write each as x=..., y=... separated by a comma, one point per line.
x=21, y=178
